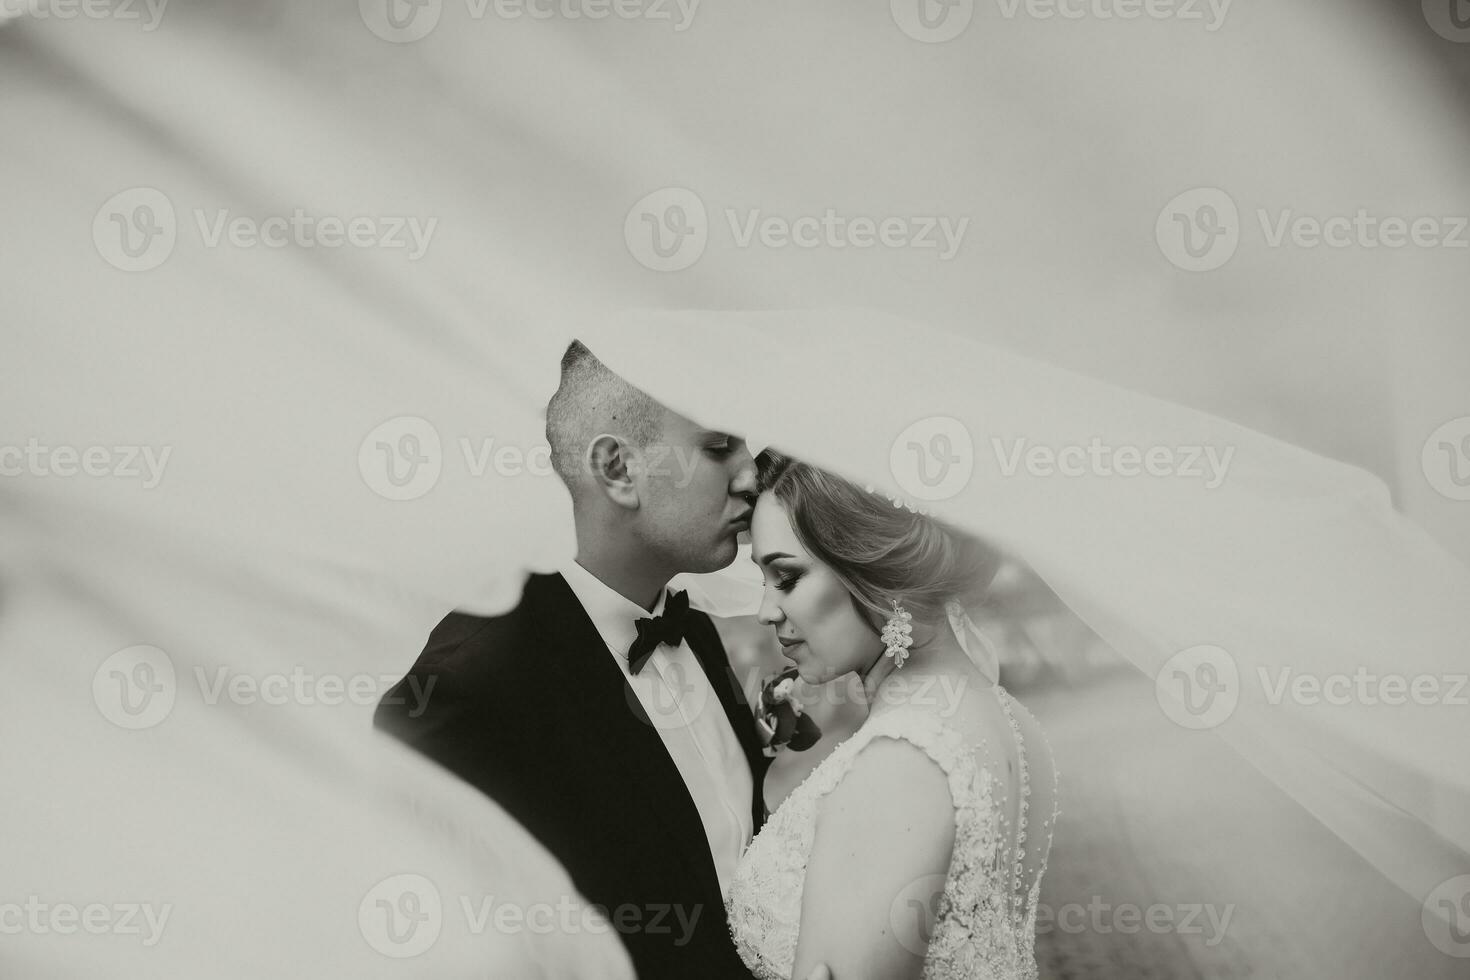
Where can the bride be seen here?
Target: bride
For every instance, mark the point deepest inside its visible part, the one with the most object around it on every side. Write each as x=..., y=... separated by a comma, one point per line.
x=916, y=849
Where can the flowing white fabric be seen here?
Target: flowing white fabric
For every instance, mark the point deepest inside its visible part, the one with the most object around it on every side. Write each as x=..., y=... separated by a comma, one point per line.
x=976, y=644
x=279, y=377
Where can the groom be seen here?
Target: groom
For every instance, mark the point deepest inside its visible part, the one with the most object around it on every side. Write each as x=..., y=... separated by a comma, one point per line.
x=601, y=712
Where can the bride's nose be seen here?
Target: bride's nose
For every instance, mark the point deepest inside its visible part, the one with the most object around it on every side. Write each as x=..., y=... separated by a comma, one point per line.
x=770, y=613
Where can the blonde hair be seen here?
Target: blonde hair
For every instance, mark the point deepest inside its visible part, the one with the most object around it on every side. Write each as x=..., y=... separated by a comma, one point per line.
x=878, y=551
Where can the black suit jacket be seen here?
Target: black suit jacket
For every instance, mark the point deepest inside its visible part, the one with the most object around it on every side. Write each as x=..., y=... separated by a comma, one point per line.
x=530, y=708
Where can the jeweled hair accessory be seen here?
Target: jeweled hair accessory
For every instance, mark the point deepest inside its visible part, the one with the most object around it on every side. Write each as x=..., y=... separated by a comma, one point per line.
x=898, y=501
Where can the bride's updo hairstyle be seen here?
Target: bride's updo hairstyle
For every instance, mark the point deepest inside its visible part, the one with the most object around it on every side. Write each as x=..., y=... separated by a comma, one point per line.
x=878, y=551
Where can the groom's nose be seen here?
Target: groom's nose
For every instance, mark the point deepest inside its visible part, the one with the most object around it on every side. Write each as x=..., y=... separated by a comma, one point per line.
x=743, y=483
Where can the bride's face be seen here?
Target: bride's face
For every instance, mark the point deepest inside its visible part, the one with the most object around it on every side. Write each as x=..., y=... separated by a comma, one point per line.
x=811, y=610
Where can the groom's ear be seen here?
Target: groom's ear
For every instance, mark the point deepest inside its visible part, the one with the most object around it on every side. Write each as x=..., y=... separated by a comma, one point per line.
x=612, y=463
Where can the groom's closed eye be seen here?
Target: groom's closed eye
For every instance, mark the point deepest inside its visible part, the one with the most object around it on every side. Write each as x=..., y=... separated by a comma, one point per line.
x=720, y=445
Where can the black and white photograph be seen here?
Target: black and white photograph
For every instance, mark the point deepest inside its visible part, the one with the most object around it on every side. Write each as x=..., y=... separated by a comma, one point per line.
x=711, y=490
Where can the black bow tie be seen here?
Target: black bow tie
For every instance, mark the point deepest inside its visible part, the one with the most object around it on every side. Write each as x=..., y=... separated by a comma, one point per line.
x=653, y=630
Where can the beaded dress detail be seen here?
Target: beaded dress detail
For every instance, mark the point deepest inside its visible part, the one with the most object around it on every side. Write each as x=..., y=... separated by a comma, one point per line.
x=985, y=921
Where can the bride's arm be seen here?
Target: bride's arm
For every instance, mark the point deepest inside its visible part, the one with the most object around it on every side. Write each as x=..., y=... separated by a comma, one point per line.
x=883, y=841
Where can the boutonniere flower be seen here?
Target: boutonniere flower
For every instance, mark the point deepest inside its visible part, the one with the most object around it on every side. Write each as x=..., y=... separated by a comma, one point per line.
x=780, y=719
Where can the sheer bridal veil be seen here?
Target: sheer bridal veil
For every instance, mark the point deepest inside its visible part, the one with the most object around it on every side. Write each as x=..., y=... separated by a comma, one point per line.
x=1229, y=566
x=219, y=517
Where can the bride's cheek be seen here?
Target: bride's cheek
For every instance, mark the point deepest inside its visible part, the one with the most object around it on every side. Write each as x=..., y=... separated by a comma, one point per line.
x=828, y=600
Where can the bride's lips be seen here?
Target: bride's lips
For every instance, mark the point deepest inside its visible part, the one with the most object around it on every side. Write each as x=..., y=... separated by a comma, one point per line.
x=787, y=645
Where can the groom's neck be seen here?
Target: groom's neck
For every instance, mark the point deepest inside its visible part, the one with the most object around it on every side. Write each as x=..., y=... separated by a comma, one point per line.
x=624, y=570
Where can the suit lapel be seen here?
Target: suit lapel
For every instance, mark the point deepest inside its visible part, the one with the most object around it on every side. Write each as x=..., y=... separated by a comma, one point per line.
x=611, y=711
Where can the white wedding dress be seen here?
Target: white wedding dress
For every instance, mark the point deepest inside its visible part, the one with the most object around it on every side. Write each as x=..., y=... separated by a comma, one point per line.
x=1001, y=779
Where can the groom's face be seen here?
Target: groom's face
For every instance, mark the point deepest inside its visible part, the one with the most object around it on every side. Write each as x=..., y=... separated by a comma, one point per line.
x=696, y=491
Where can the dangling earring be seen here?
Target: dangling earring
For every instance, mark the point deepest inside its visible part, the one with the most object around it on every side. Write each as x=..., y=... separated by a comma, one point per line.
x=897, y=635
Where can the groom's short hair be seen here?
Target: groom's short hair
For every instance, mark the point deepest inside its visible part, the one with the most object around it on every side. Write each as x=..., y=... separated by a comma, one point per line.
x=591, y=400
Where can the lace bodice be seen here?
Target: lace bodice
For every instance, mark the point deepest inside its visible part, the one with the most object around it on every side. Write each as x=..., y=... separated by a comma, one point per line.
x=985, y=921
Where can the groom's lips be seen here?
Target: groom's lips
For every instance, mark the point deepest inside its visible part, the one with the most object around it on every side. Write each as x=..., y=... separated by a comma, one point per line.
x=744, y=520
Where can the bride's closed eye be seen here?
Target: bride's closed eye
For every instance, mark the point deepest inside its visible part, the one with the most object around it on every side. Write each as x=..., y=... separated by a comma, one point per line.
x=787, y=582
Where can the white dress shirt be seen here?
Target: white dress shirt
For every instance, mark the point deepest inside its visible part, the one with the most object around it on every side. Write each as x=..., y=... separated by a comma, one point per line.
x=683, y=706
